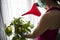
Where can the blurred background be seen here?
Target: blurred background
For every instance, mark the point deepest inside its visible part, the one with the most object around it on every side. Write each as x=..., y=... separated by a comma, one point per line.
x=15, y=8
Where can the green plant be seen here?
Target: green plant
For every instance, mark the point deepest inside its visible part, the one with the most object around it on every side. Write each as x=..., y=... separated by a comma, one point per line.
x=20, y=27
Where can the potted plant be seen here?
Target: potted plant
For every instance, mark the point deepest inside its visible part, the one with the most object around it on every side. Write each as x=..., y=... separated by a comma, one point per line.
x=20, y=27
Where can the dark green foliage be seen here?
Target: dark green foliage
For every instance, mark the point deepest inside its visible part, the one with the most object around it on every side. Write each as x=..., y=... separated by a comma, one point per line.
x=20, y=28
x=16, y=37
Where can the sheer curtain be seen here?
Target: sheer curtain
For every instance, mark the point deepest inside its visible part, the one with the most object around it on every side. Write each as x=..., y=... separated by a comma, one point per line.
x=15, y=8
x=2, y=27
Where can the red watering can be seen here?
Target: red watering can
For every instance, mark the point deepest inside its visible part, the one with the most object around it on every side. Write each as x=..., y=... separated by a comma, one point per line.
x=34, y=10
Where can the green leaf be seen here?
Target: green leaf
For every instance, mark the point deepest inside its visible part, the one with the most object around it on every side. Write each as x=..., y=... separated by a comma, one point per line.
x=8, y=30
x=28, y=30
x=31, y=26
x=26, y=25
x=16, y=37
x=11, y=23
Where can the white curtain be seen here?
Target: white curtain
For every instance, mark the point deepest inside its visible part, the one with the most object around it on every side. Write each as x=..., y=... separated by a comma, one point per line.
x=15, y=8
x=2, y=27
